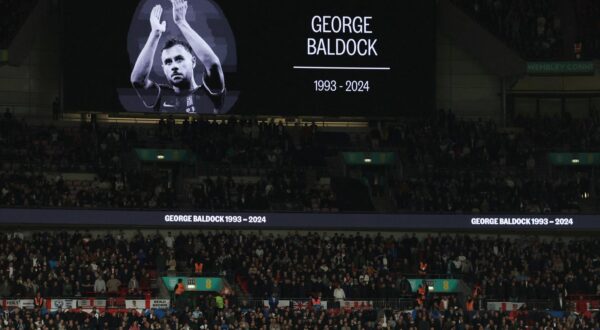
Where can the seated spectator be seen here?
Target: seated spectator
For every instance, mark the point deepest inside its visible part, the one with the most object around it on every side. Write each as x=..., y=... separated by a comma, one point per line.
x=113, y=285
x=99, y=285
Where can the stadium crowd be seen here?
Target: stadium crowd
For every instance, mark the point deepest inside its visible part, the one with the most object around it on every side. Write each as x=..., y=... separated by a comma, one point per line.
x=48, y=148
x=474, y=166
x=34, y=161
x=278, y=189
x=247, y=143
x=354, y=266
x=242, y=317
x=133, y=189
x=448, y=165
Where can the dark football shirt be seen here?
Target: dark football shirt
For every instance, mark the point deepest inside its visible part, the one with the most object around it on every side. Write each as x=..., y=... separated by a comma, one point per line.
x=199, y=101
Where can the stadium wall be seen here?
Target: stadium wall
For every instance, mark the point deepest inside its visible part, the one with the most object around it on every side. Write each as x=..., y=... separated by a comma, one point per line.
x=463, y=84
x=31, y=88
x=545, y=94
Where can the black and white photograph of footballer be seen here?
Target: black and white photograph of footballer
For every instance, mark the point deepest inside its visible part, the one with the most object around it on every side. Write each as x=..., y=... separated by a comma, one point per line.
x=183, y=91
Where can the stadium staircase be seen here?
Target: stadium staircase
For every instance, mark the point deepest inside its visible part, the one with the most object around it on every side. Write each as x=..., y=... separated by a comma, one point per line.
x=484, y=46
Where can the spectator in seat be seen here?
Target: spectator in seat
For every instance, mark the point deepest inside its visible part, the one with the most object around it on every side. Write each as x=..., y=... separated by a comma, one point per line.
x=134, y=284
x=87, y=285
x=169, y=240
x=5, y=288
x=39, y=302
x=55, y=290
x=100, y=285
x=316, y=302
x=172, y=263
x=198, y=267
x=339, y=294
x=219, y=302
x=113, y=284
x=161, y=262
x=67, y=289
x=423, y=268
x=134, y=326
x=273, y=302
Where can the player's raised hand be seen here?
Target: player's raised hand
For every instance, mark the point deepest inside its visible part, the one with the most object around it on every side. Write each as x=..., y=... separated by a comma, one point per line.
x=179, y=11
x=155, y=22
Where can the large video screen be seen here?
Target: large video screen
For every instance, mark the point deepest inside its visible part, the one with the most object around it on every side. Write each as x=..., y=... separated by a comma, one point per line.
x=322, y=58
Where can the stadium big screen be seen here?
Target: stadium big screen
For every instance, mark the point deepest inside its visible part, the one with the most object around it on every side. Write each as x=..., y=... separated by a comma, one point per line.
x=267, y=57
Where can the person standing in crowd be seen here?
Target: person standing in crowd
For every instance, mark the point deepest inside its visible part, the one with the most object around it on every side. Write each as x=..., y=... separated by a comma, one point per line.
x=178, y=293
